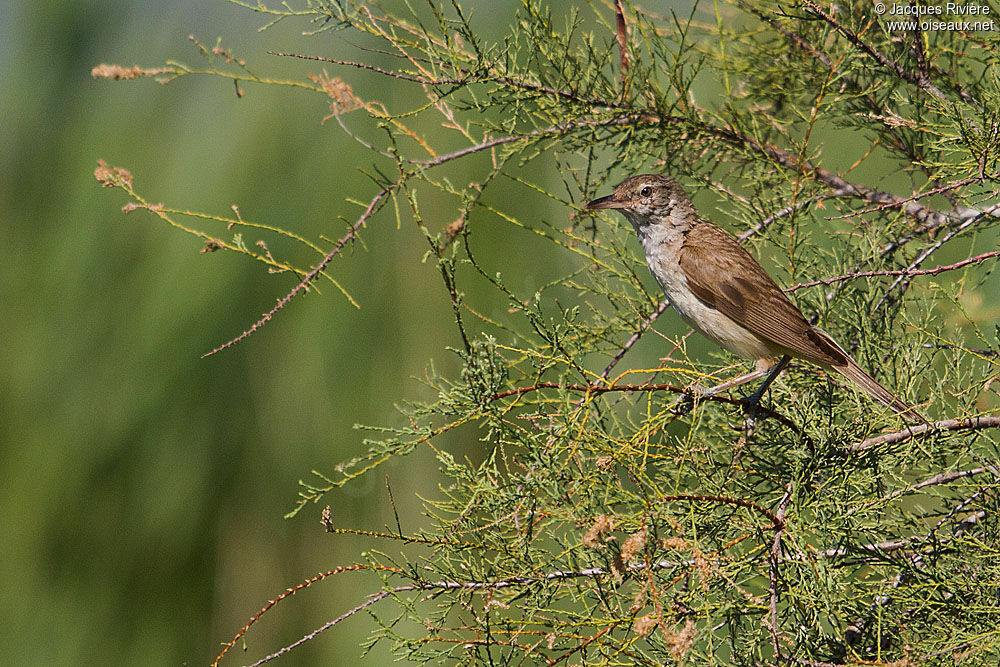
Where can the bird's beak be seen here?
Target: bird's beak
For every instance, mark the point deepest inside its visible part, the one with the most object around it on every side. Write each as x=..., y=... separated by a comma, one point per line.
x=604, y=202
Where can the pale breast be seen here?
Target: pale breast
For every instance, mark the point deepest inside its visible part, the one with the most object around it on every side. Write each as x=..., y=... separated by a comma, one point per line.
x=662, y=245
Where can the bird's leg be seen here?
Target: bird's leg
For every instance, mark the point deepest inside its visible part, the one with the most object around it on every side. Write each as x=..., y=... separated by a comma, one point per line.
x=704, y=392
x=753, y=400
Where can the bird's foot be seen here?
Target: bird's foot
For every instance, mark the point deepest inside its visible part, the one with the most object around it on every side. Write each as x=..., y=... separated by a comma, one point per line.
x=752, y=410
x=685, y=402
x=751, y=404
x=683, y=405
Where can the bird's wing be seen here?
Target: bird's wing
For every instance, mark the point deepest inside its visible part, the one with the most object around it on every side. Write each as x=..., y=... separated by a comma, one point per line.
x=726, y=277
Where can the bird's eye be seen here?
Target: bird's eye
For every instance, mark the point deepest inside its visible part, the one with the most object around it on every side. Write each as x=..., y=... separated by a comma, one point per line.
x=646, y=191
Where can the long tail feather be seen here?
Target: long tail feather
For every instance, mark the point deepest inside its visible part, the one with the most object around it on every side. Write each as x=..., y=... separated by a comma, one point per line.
x=858, y=376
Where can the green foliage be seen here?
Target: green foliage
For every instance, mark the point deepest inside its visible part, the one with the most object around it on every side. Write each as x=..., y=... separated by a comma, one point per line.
x=608, y=521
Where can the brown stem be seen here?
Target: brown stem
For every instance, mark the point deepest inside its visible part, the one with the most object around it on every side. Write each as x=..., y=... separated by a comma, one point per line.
x=898, y=272
x=919, y=430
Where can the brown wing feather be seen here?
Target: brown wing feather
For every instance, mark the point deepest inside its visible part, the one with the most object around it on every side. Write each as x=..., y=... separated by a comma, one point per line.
x=721, y=273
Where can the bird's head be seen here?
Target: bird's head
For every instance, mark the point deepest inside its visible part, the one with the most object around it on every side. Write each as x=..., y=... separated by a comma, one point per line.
x=644, y=199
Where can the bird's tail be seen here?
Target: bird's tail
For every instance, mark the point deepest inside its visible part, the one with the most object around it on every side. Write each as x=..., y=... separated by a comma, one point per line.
x=858, y=376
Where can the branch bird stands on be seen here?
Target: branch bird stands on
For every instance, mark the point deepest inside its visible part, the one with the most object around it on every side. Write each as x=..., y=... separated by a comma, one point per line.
x=721, y=291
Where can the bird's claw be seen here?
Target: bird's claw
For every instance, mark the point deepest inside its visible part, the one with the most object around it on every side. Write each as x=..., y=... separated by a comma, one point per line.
x=683, y=405
x=751, y=407
x=685, y=402
x=750, y=404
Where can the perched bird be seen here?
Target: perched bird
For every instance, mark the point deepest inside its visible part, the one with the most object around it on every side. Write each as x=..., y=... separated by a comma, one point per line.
x=721, y=291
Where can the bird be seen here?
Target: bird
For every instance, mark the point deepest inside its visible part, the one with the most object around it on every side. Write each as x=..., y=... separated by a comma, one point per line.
x=721, y=291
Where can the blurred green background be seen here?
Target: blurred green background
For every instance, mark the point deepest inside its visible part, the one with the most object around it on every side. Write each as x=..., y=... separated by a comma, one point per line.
x=143, y=487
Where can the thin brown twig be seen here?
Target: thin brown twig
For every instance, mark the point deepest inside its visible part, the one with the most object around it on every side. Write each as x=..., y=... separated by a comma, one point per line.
x=951, y=649
x=897, y=272
x=772, y=570
x=377, y=200
x=940, y=478
x=435, y=585
x=592, y=389
x=884, y=547
x=919, y=430
x=969, y=350
x=834, y=181
x=288, y=593
x=903, y=281
x=467, y=78
x=372, y=599
x=777, y=519
x=918, y=80
x=918, y=49
x=786, y=211
x=583, y=644
x=534, y=134
x=873, y=104
x=621, y=33
x=603, y=389
x=451, y=585
x=810, y=663
x=634, y=338
x=960, y=218
x=957, y=222
x=777, y=522
x=916, y=559
x=919, y=195
x=841, y=186
x=309, y=277
x=837, y=183
x=474, y=586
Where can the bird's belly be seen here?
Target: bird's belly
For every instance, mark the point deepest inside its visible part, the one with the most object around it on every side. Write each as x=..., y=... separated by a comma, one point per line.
x=709, y=322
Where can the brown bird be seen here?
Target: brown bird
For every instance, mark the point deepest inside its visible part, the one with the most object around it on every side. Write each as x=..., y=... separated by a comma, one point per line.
x=721, y=291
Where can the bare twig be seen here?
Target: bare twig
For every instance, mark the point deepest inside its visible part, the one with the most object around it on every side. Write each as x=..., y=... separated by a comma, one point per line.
x=961, y=217
x=918, y=79
x=777, y=519
x=919, y=430
x=786, y=211
x=897, y=272
x=562, y=128
x=863, y=89
x=833, y=181
x=634, y=338
x=622, y=35
x=944, y=651
x=940, y=478
x=451, y=585
x=600, y=633
x=378, y=199
x=591, y=389
x=903, y=280
x=466, y=78
x=881, y=547
x=288, y=593
x=772, y=571
x=950, y=346
x=309, y=277
x=377, y=597
x=603, y=389
x=841, y=186
x=916, y=559
x=810, y=663
x=921, y=195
